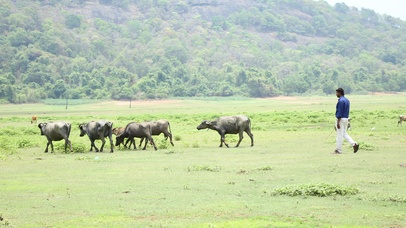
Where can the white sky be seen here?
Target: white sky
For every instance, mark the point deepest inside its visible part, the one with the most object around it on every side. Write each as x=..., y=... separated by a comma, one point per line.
x=394, y=8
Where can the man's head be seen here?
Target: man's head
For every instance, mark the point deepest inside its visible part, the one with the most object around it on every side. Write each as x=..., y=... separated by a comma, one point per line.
x=339, y=92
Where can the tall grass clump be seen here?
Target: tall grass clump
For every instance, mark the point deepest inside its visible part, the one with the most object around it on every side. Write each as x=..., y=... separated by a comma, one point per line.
x=320, y=190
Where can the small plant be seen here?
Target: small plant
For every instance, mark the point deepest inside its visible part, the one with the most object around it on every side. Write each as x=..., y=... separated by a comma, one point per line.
x=177, y=138
x=397, y=199
x=195, y=145
x=366, y=146
x=170, y=152
x=320, y=190
x=265, y=168
x=203, y=168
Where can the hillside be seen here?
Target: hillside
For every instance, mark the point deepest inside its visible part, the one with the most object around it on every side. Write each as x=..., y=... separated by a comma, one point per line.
x=164, y=48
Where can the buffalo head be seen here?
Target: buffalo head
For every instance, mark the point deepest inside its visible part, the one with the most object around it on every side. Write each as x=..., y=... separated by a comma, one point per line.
x=41, y=126
x=82, y=128
x=119, y=139
x=205, y=124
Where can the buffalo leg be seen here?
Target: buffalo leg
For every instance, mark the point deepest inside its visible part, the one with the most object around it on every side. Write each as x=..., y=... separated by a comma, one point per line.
x=111, y=144
x=142, y=139
x=241, y=136
x=248, y=131
x=94, y=145
x=66, y=144
x=167, y=134
x=52, y=146
x=153, y=143
x=103, y=142
x=145, y=145
x=46, y=149
x=223, y=140
x=129, y=146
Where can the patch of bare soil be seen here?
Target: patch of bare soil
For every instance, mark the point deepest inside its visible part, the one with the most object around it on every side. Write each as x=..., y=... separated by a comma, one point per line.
x=143, y=102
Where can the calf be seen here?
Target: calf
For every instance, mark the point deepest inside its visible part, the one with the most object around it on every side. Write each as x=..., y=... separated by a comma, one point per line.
x=229, y=125
x=401, y=119
x=138, y=130
x=118, y=131
x=56, y=132
x=34, y=119
x=97, y=130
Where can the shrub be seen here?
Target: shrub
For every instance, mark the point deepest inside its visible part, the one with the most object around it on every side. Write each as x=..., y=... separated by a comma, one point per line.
x=78, y=148
x=321, y=190
x=162, y=144
x=24, y=143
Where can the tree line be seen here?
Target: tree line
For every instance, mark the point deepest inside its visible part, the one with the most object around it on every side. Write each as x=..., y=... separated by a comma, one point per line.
x=153, y=49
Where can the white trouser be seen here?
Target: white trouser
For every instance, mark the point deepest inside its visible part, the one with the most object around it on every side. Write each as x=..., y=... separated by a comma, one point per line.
x=342, y=134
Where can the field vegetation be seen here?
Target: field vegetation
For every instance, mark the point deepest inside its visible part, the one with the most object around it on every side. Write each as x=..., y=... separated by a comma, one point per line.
x=288, y=179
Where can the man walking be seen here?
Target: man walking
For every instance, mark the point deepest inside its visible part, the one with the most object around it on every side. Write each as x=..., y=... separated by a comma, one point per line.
x=342, y=114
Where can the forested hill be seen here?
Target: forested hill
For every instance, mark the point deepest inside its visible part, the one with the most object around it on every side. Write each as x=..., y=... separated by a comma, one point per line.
x=137, y=49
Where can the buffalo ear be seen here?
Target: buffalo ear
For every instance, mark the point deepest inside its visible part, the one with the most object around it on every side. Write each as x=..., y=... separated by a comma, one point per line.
x=80, y=126
x=40, y=125
x=207, y=122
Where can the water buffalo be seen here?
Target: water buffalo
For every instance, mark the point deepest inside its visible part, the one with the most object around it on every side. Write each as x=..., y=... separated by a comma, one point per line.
x=229, y=125
x=56, y=131
x=97, y=130
x=158, y=127
x=138, y=130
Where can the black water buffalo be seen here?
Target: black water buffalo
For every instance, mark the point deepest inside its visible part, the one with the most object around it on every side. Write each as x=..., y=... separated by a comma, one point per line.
x=56, y=131
x=229, y=125
x=137, y=130
x=158, y=127
x=97, y=130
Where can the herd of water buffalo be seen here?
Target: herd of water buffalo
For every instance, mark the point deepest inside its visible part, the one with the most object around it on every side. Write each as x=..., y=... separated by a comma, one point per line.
x=100, y=130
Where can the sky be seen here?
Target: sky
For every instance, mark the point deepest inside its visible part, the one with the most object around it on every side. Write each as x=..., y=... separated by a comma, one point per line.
x=394, y=8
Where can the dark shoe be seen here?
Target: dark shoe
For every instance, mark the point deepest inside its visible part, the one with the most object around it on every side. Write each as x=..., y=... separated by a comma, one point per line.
x=336, y=152
x=356, y=146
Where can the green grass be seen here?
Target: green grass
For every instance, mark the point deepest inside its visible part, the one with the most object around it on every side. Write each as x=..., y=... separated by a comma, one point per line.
x=197, y=184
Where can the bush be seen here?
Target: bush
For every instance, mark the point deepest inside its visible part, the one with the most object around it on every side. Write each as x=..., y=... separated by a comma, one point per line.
x=321, y=190
x=24, y=143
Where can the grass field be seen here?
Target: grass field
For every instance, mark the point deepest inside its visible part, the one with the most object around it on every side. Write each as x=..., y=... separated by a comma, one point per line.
x=196, y=183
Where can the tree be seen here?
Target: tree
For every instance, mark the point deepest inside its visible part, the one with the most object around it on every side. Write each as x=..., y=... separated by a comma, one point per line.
x=59, y=88
x=72, y=21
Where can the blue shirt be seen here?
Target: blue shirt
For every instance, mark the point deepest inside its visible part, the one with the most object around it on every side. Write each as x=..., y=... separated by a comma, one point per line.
x=342, y=108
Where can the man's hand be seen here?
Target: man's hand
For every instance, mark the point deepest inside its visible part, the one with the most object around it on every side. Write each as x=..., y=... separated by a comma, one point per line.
x=338, y=125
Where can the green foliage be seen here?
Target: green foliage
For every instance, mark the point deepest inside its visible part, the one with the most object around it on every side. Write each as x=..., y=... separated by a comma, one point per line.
x=320, y=190
x=72, y=21
x=136, y=49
